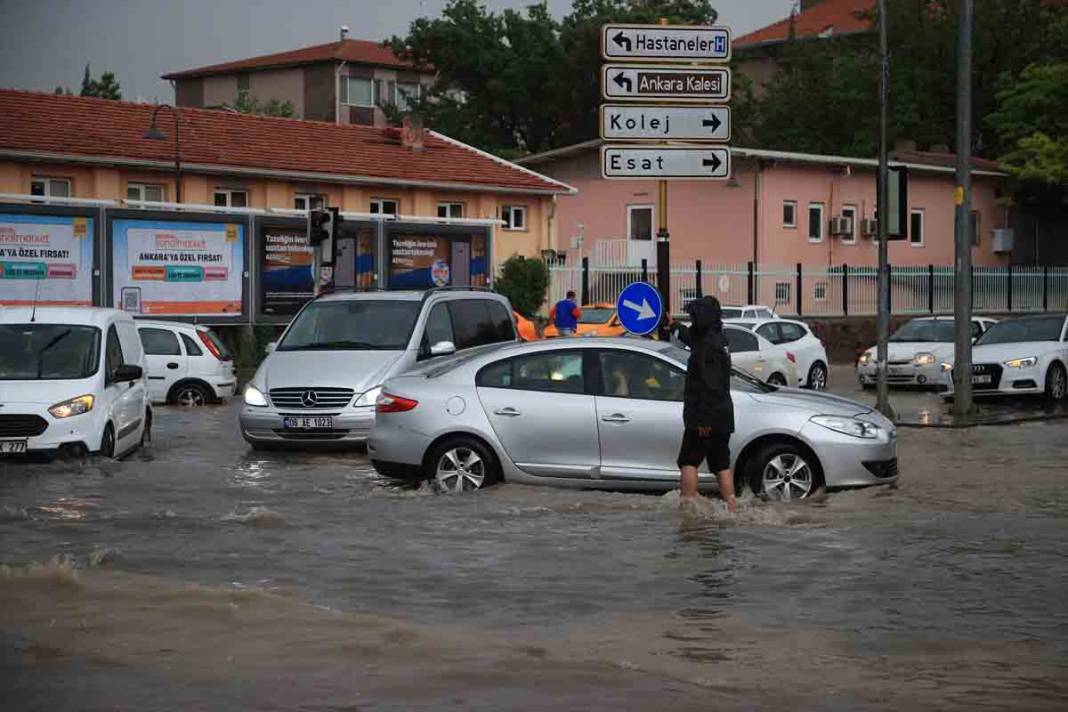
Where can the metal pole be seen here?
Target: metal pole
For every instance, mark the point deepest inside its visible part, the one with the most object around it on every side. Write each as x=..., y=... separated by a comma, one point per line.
x=962, y=306
x=177, y=160
x=663, y=254
x=882, y=322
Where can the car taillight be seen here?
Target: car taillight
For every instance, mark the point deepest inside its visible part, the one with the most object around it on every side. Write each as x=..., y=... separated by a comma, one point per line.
x=793, y=359
x=210, y=345
x=389, y=403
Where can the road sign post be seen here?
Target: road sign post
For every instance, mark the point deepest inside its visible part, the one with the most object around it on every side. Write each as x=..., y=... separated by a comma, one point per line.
x=663, y=162
x=660, y=82
x=666, y=43
x=626, y=122
x=640, y=308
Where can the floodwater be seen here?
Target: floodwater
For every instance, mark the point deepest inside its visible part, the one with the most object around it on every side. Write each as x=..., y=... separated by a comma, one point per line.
x=199, y=575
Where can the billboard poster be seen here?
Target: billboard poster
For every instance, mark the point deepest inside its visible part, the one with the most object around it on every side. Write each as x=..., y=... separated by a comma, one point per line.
x=286, y=275
x=47, y=259
x=178, y=268
x=478, y=261
x=419, y=261
x=365, y=258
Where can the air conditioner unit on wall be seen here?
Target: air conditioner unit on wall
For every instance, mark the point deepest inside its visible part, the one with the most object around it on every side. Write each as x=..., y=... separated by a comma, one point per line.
x=869, y=227
x=1002, y=240
x=841, y=225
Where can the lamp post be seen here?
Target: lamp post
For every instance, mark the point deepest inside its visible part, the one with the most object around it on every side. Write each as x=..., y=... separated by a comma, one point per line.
x=154, y=133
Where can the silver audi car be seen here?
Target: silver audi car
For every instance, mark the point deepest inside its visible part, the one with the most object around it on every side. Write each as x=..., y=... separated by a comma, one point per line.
x=607, y=413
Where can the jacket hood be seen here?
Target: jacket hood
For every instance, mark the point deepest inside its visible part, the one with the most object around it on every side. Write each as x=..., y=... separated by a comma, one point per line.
x=705, y=314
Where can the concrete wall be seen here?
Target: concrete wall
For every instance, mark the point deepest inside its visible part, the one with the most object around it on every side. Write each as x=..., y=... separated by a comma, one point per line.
x=219, y=90
x=320, y=84
x=281, y=84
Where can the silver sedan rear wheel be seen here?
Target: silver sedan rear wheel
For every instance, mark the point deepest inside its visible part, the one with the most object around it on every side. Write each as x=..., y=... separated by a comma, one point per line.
x=460, y=469
x=788, y=476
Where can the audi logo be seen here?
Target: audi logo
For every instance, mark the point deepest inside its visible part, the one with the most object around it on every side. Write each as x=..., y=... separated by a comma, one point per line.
x=308, y=399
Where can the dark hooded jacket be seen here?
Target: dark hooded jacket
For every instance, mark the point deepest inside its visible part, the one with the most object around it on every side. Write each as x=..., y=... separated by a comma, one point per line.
x=707, y=401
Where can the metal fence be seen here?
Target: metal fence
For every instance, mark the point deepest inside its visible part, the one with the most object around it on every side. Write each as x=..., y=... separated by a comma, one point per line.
x=841, y=290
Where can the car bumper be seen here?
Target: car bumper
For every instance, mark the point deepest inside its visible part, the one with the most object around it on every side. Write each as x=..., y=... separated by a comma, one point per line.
x=84, y=430
x=1012, y=381
x=397, y=448
x=225, y=389
x=903, y=375
x=264, y=426
x=848, y=461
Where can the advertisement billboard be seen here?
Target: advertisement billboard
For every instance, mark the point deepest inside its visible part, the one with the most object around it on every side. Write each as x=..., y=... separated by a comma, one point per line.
x=421, y=261
x=47, y=259
x=286, y=278
x=177, y=268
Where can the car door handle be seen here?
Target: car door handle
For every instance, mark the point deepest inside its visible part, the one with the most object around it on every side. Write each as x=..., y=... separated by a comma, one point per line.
x=173, y=366
x=507, y=412
x=616, y=418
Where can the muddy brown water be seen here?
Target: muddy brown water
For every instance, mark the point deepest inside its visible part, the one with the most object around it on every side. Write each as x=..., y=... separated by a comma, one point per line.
x=201, y=575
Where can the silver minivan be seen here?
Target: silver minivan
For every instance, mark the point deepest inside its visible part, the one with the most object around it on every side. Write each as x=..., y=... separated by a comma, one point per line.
x=319, y=383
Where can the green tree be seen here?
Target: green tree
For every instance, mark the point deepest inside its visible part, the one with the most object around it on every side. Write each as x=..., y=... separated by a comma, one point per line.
x=248, y=104
x=107, y=87
x=1031, y=122
x=524, y=280
x=60, y=91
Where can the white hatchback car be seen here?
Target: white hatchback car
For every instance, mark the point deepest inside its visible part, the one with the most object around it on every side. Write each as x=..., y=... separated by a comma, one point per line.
x=188, y=364
x=916, y=352
x=72, y=379
x=759, y=357
x=796, y=339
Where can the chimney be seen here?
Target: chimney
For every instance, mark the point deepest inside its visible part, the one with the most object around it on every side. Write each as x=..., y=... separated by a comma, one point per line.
x=904, y=145
x=344, y=32
x=412, y=132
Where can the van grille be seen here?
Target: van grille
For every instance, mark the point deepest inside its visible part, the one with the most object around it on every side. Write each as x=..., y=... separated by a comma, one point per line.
x=21, y=426
x=308, y=398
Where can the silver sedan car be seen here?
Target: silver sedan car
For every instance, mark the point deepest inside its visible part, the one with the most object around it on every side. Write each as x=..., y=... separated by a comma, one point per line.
x=607, y=413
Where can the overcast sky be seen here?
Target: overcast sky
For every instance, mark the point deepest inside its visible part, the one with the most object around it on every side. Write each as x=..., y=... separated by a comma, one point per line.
x=48, y=42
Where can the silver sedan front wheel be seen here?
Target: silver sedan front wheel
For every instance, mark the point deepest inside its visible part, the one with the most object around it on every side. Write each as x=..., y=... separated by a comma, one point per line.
x=787, y=476
x=459, y=469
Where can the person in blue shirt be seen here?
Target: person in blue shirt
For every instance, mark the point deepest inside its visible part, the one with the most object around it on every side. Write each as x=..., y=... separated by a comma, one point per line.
x=565, y=315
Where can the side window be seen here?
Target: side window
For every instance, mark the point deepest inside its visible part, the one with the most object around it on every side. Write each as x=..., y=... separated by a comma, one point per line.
x=496, y=375
x=739, y=341
x=977, y=329
x=553, y=372
x=790, y=332
x=159, y=342
x=438, y=326
x=113, y=356
x=763, y=314
x=630, y=375
x=769, y=332
x=502, y=319
x=191, y=348
x=471, y=323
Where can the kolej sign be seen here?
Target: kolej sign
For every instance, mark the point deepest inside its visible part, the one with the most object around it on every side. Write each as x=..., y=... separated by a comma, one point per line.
x=47, y=259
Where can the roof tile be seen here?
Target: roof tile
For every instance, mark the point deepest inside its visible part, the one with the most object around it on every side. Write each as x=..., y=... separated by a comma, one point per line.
x=839, y=16
x=355, y=51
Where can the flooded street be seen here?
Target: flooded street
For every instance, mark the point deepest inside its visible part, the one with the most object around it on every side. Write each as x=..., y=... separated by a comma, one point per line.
x=203, y=575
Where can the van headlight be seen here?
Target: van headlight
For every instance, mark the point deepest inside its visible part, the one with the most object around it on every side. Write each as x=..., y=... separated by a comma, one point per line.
x=865, y=359
x=74, y=406
x=848, y=426
x=924, y=358
x=368, y=398
x=254, y=396
x=1022, y=362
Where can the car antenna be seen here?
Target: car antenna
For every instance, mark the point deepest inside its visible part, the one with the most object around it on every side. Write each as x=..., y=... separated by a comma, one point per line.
x=36, y=294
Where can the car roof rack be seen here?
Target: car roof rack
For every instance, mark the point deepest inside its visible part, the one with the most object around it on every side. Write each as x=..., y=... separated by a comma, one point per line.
x=453, y=288
x=327, y=291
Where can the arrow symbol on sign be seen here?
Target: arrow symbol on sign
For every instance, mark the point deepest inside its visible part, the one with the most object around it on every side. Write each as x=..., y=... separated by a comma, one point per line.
x=714, y=162
x=622, y=40
x=713, y=122
x=623, y=81
x=644, y=311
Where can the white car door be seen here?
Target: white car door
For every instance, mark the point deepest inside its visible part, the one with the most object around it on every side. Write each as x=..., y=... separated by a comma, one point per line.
x=752, y=354
x=135, y=392
x=164, y=358
x=118, y=399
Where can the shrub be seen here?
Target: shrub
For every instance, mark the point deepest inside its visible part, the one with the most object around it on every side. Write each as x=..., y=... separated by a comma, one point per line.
x=524, y=281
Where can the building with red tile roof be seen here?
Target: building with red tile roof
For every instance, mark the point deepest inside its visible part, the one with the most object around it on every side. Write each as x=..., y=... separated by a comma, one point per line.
x=826, y=18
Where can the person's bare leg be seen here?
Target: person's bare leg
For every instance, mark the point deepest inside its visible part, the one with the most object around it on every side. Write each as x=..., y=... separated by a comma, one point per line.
x=689, y=481
x=726, y=488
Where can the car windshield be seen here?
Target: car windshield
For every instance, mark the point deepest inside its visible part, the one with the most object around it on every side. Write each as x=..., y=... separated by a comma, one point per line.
x=595, y=315
x=740, y=380
x=352, y=325
x=44, y=352
x=1046, y=328
x=928, y=330
x=732, y=313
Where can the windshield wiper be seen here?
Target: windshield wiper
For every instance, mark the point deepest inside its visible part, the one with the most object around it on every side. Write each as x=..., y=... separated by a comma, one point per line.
x=50, y=344
x=327, y=345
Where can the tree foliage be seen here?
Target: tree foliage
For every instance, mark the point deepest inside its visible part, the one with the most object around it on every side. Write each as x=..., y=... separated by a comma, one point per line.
x=107, y=87
x=1032, y=123
x=524, y=281
x=245, y=103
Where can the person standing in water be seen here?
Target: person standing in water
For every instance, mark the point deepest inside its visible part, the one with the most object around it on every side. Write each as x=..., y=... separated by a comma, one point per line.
x=708, y=412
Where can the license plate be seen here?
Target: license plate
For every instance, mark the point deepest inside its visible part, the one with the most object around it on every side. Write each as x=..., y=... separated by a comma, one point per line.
x=12, y=446
x=982, y=379
x=900, y=372
x=322, y=422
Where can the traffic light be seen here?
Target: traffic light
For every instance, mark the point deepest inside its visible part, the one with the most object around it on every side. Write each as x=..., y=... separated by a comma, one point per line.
x=323, y=226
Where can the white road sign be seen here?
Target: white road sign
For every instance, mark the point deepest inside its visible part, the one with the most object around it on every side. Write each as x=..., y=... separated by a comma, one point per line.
x=666, y=123
x=654, y=82
x=665, y=43
x=690, y=162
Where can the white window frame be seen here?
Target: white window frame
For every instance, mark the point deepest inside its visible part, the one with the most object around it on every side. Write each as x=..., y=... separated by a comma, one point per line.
x=923, y=228
x=47, y=183
x=452, y=209
x=792, y=204
x=378, y=205
x=311, y=201
x=819, y=222
x=652, y=221
x=851, y=239
x=141, y=187
x=508, y=213
x=229, y=193
x=345, y=94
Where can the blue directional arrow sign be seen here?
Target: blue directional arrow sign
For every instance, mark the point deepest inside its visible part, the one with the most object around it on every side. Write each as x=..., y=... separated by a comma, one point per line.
x=639, y=307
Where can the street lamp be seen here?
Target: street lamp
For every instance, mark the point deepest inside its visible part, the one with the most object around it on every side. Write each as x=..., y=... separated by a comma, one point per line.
x=155, y=134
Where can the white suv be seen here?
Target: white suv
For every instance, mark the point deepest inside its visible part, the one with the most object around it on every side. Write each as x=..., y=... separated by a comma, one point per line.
x=187, y=364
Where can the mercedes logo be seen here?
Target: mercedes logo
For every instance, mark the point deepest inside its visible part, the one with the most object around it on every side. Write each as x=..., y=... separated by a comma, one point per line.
x=308, y=399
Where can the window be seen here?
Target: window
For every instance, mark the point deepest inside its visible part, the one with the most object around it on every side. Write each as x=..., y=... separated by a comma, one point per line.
x=450, y=210
x=357, y=91
x=625, y=374
x=782, y=292
x=159, y=342
x=789, y=213
x=740, y=341
x=849, y=212
x=916, y=228
x=438, y=328
x=503, y=320
x=144, y=191
x=308, y=201
x=763, y=313
x=385, y=206
x=474, y=324
x=977, y=329
x=815, y=222
x=640, y=222
x=791, y=332
x=771, y=332
x=821, y=291
x=191, y=347
x=515, y=217
x=552, y=372
x=50, y=187
x=226, y=198
x=407, y=94
x=113, y=358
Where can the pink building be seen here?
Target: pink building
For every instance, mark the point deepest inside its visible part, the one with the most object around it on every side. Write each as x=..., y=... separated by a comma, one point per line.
x=777, y=209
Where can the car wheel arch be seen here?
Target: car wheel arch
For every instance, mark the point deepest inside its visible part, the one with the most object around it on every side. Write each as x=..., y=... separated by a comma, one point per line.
x=172, y=393
x=498, y=461
x=751, y=448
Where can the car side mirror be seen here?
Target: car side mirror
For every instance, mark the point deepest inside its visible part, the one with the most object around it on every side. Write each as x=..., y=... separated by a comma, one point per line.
x=128, y=372
x=271, y=346
x=443, y=348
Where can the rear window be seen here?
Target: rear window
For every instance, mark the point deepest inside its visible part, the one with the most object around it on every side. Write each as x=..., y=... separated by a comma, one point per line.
x=732, y=313
x=741, y=341
x=1046, y=328
x=595, y=315
x=477, y=322
x=159, y=342
x=224, y=353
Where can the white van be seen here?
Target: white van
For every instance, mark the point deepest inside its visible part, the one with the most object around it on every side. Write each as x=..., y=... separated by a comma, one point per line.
x=72, y=379
x=188, y=364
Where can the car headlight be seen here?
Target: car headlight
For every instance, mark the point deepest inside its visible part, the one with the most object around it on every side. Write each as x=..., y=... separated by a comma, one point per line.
x=923, y=358
x=253, y=396
x=865, y=359
x=368, y=398
x=847, y=426
x=74, y=406
x=1022, y=362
